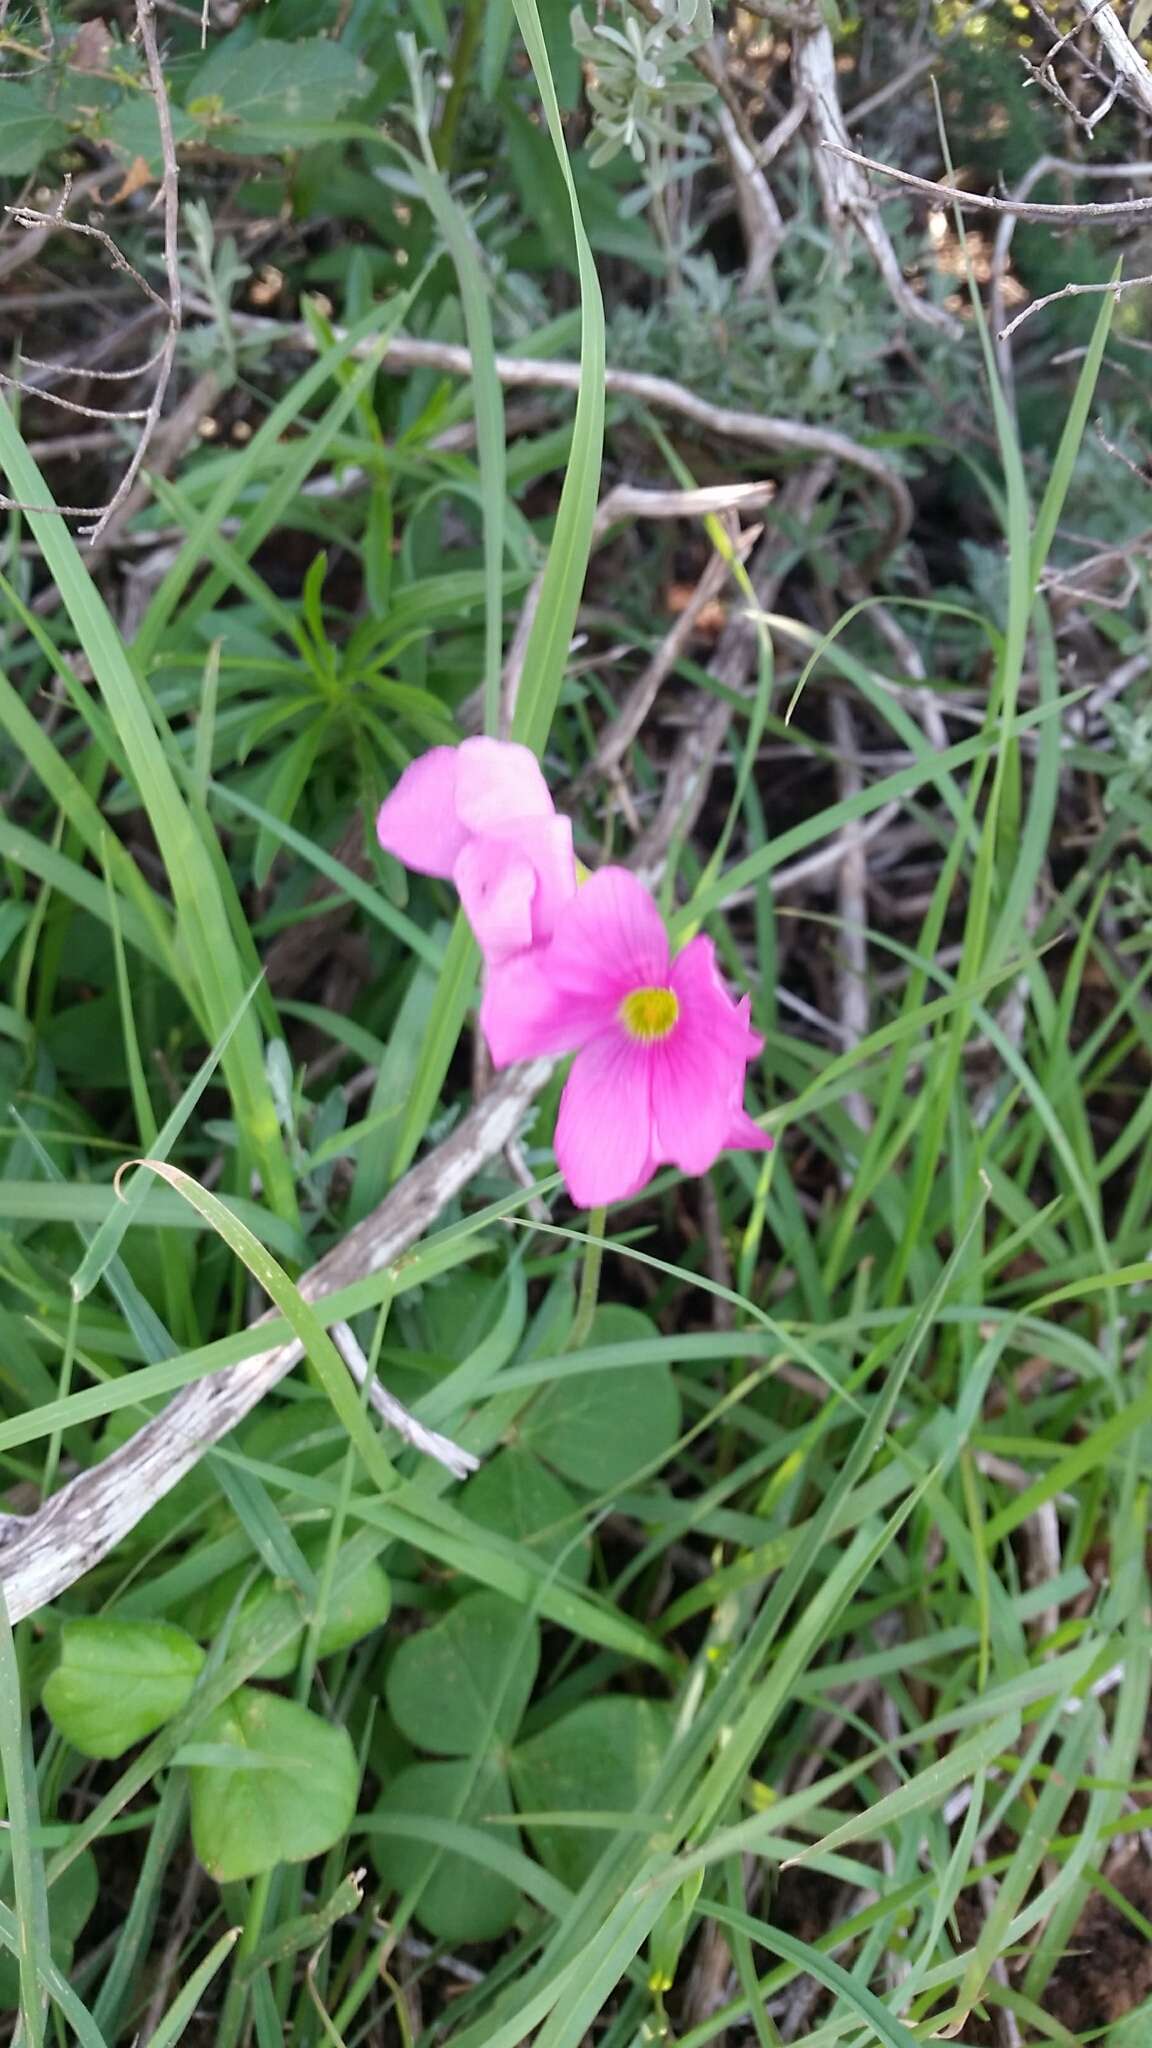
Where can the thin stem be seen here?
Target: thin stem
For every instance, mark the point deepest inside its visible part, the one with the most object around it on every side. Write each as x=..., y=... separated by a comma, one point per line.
x=589, y=1279
x=236, y=2001
x=467, y=42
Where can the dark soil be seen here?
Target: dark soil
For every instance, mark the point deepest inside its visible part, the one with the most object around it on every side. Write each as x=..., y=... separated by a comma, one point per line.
x=1107, y=1971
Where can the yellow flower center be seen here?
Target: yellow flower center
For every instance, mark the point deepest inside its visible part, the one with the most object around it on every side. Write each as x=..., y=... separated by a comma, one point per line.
x=583, y=874
x=649, y=1013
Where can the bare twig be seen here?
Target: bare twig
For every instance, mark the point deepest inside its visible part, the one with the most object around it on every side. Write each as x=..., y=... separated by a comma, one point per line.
x=760, y=215
x=689, y=773
x=618, y=736
x=845, y=194
x=1129, y=65
x=629, y=501
x=30, y=244
x=87, y=1518
x=1045, y=72
x=1071, y=291
x=986, y=202
x=170, y=194
x=749, y=429
x=164, y=357
x=457, y=1461
x=624, y=501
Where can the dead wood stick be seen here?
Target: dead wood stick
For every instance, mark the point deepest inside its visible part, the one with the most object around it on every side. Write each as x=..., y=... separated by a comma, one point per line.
x=1051, y=216
x=845, y=194
x=84, y=1521
x=1131, y=70
x=728, y=423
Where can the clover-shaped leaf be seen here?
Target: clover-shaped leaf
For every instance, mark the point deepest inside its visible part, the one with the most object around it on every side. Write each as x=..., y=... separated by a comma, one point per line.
x=118, y=1681
x=463, y=1684
x=269, y=1782
x=603, y=1428
x=516, y=1496
x=458, y=1899
x=359, y=1602
x=600, y=1758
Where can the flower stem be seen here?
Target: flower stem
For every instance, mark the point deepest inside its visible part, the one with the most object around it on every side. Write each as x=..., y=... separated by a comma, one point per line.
x=589, y=1279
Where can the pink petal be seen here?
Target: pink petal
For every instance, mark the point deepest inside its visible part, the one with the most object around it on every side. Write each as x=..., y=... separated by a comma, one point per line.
x=542, y=850
x=524, y=1016
x=698, y=1072
x=497, y=884
x=755, y=1042
x=746, y=1136
x=705, y=1004
x=604, y=1130
x=691, y=1098
x=497, y=780
x=547, y=843
x=418, y=821
x=609, y=939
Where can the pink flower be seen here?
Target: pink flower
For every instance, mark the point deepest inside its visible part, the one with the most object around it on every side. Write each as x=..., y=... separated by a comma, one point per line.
x=481, y=815
x=661, y=1048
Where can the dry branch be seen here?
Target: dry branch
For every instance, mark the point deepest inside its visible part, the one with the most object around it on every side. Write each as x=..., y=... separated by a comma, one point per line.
x=163, y=360
x=1132, y=72
x=87, y=1519
x=1017, y=210
x=1083, y=215
x=1072, y=291
x=749, y=429
x=844, y=193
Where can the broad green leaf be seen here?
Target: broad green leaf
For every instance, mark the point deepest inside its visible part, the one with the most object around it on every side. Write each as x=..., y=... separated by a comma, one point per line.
x=517, y=1496
x=602, y=1428
x=28, y=127
x=458, y=1900
x=289, y=1795
x=133, y=131
x=258, y=97
x=360, y=1601
x=464, y=1682
x=600, y=1758
x=118, y=1681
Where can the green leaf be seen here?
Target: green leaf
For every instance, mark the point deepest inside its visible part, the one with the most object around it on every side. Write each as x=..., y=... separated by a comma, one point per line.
x=73, y=1901
x=465, y=1682
x=360, y=1601
x=601, y=1758
x=289, y=1795
x=28, y=129
x=602, y=1428
x=257, y=98
x=118, y=1681
x=516, y=1496
x=458, y=1900
x=132, y=130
